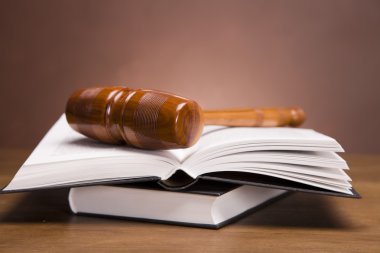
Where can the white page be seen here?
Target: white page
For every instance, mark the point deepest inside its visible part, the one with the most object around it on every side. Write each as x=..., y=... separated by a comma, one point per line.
x=67, y=157
x=321, y=159
x=243, y=135
x=307, y=170
x=220, y=139
x=198, y=158
x=296, y=179
x=62, y=143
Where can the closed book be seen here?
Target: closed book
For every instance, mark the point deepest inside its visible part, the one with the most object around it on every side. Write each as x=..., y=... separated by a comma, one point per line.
x=212, y=206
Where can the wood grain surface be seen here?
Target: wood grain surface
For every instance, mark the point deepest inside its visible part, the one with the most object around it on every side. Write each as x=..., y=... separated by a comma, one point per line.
x=41, y=221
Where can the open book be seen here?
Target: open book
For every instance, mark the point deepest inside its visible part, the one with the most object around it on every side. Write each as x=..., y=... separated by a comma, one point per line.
x=285, y=158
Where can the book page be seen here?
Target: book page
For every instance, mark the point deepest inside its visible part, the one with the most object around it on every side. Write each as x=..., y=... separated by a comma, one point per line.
x=240, y=139
x=62, y=143
x=262, y=135
x=65, y=157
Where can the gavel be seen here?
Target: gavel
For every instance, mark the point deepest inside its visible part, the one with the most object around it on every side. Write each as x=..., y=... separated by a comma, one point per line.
x=150, y=119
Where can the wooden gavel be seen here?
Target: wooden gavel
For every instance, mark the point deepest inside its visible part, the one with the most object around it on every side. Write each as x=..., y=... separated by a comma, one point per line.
x=157, y=120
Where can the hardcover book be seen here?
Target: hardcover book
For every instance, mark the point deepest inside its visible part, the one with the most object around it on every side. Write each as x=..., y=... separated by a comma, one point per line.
x=283, y=158
x=210, y=205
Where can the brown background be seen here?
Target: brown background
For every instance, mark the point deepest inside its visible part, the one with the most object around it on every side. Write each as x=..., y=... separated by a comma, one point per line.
x=321, y=55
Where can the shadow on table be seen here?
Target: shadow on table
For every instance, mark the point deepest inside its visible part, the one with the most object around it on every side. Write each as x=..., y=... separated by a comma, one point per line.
x=294, y=210
x=36, y=206
x=299, y=210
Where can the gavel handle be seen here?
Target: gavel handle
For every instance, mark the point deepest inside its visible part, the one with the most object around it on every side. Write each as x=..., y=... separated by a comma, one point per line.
x=263, y=117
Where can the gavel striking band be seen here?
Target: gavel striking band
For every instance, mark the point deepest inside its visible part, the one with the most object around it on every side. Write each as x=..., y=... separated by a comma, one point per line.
x=157, y=120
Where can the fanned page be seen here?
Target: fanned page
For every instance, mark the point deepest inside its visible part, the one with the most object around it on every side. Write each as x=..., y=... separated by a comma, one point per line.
x=299, y=155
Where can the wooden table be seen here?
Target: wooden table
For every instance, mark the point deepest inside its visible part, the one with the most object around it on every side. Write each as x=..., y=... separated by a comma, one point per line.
x=41, y=221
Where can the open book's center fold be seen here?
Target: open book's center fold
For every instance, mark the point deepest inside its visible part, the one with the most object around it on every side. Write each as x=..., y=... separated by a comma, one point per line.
x=179, y=180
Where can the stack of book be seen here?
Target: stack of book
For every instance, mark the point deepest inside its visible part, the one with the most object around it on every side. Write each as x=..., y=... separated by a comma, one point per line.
x=227, y=174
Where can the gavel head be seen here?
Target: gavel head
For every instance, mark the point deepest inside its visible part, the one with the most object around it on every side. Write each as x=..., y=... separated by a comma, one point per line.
x=141, y=118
